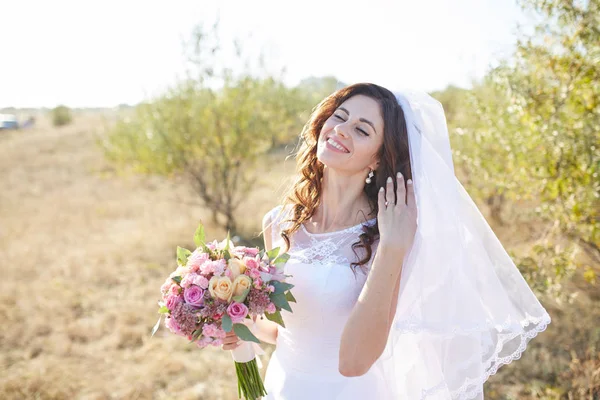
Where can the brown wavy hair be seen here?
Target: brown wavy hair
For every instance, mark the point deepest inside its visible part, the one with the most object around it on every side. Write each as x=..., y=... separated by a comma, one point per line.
x=304, y=195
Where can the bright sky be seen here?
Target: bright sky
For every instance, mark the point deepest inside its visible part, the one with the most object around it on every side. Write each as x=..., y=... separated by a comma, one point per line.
x=103, y=53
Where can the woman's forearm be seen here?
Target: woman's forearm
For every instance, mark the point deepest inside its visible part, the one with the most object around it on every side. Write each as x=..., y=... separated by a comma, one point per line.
x=365, y=334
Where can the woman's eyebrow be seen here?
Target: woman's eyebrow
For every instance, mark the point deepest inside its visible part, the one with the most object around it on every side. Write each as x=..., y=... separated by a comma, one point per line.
x=360, y=119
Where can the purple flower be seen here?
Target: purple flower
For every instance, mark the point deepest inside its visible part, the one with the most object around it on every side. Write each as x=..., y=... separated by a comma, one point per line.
x=186, y=318
x=237, y=312
x=258, y=300
x=194, y=295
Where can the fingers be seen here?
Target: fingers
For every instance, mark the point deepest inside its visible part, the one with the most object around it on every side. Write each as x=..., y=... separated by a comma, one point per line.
x=231, y=346
x=400, y=190
x=389, y=192
x=381, y=199
x=230, y=341
x=410, y=194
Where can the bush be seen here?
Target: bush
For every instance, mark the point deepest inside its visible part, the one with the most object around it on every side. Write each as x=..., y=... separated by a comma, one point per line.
x=61, y=116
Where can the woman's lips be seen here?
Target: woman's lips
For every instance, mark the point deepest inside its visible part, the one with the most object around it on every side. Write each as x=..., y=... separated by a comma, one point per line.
x=335, y=148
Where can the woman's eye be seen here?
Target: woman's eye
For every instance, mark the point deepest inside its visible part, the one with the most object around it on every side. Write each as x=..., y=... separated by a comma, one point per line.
x=338, y=117
x=362, y=131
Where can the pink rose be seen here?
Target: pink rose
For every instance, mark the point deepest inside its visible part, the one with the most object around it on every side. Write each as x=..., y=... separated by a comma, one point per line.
x=186, y=281
x=220, y=267
x=209, y=329
x=172, y=301
x=194, y=295
x=251, y=263
x=201, y=281
x=257, y=283
x=196, y=259
x=237, y=312
x=220, y=333
x=271, y=308
x=270, y=288
x=204, y=341
x=251, y=251
x=216, y=267
x=254, y=273
x=166, y=286
x=175, y=290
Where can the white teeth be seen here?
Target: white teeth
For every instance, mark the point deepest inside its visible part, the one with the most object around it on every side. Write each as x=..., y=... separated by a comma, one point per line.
x=337, y=146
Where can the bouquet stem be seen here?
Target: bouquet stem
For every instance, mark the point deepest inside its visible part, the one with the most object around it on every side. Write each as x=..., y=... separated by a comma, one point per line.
x=250, y=384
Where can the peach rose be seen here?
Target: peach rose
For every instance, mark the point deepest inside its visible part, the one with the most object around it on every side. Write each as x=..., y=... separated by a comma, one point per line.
x=240, y=284
x=237, y=267
x=221, y=287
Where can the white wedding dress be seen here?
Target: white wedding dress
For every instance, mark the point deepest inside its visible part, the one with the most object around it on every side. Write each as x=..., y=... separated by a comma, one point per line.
x=305, y=362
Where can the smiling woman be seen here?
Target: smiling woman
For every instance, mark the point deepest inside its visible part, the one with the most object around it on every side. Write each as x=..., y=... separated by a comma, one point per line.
x=402, y=289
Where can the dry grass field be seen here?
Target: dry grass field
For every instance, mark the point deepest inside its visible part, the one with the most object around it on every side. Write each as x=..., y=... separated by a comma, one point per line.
x=84, y=250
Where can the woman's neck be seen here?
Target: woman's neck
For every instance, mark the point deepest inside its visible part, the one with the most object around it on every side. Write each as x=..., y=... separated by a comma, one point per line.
x=343, y=202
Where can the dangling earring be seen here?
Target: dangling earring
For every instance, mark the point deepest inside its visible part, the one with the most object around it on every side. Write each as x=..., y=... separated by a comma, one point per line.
x=368, y=180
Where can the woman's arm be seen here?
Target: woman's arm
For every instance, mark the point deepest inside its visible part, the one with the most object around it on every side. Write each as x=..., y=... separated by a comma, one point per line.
x=366, y=332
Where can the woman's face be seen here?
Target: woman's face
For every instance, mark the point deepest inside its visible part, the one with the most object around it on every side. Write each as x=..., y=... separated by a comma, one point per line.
x=352, y=135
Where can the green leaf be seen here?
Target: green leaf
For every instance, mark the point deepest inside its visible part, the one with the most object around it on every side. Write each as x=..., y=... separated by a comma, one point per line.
x=156, y=326
x=273, y=253
x=261, y=254
x=195, y=335
x=241, y=297
x=226, y=323
x=182, y=255
x=280, y=287
x=281, y=259
x=275, y=317
x=177, y=279
x=244, y=333
x=226, y=255
x=227, y=242
x=200, y=236
x=280, y=301
x=163, y=310
x=290, y=297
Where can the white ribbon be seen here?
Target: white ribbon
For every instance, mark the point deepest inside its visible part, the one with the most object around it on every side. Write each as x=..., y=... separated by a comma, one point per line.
x=248, y=351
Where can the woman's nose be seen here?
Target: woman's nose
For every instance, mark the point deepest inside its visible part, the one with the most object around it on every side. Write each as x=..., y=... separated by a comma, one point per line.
x=340, y=129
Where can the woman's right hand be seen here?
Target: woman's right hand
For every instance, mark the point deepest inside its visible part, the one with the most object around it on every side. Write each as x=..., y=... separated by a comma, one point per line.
x=231, y=341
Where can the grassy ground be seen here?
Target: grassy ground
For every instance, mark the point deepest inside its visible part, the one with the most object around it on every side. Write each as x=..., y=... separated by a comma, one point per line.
x=83, y=252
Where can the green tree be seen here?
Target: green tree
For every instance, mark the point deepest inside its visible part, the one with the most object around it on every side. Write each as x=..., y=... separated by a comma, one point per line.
x=211, y=128
x=61, y=116
x=535, y=138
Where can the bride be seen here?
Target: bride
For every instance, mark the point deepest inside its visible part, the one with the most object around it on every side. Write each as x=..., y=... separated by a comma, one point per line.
x=403, y=291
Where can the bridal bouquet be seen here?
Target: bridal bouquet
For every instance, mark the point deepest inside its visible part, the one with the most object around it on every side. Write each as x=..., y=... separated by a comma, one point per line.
x=215, y=289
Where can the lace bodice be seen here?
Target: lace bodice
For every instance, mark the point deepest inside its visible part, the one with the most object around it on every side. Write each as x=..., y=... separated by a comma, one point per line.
x=326, y=248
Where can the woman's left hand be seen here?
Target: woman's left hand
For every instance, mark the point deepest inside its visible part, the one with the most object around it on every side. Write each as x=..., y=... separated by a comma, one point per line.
x=397, y=220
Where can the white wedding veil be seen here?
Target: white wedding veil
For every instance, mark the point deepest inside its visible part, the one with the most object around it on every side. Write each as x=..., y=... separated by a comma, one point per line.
x=463, y=308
